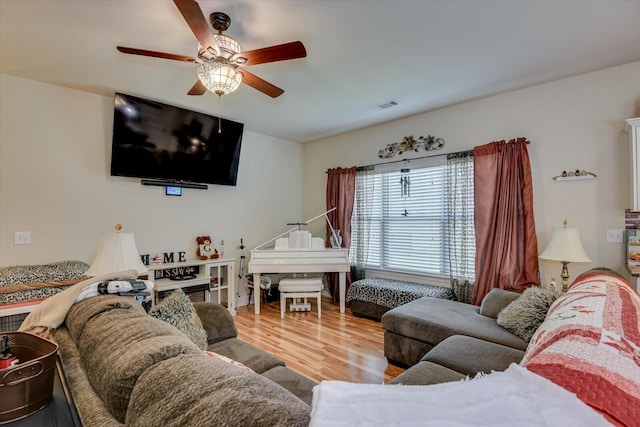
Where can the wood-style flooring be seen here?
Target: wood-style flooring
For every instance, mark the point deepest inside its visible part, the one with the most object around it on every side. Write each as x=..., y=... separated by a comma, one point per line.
x=334, y=347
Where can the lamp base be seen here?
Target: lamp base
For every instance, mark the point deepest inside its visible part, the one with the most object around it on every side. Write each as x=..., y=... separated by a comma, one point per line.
x=565, y=276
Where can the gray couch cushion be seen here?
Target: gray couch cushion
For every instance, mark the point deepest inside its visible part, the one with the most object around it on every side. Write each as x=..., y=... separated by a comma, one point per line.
x=79, y=315
x=176, y=393
x=425, y=373
x=296, y=383
x=404, y=351
x=431, y=320
x=216, y=320
x=258, y=360
x=118, y=343
x=469, y=355
x=495, y=301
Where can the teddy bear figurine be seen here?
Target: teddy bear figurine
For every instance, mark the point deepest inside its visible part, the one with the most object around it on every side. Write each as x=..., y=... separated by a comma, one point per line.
x=205, y=248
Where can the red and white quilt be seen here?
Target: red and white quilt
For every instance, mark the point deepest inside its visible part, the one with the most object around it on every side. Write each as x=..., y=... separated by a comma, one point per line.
x=589, y=344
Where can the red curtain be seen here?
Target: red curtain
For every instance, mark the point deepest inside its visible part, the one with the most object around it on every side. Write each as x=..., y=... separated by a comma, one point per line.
x=506, y=243
x=341, y=187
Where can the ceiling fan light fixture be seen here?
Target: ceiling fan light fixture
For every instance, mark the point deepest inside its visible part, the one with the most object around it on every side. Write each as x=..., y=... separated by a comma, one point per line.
x=218, y=77
x=227, y=46
x=219, y=56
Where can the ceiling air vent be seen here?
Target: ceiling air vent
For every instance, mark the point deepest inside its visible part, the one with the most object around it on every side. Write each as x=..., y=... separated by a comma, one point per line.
x=387, y=104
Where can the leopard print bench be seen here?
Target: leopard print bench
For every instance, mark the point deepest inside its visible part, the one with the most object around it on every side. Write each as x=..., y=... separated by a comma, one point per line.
x=375, y=296
x=19, y=283
x=22, y=285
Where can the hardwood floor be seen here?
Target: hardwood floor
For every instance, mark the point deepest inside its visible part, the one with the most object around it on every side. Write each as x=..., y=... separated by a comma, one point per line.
x=335, y=347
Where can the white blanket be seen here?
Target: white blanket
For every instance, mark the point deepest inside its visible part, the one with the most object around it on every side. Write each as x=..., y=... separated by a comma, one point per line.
x=515, y=397
x=51, y=312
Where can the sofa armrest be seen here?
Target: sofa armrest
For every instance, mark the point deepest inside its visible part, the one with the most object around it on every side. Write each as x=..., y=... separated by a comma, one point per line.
x=495, y=301
x=85, y=401
x=217, y=321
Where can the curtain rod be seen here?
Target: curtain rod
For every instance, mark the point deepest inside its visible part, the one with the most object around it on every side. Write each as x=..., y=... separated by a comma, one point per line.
x=521, y=139
x=409, y=160
x=359, y=168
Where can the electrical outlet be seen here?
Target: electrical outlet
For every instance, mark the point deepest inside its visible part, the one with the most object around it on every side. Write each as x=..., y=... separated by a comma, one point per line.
x=614, y=236
x=22, y=238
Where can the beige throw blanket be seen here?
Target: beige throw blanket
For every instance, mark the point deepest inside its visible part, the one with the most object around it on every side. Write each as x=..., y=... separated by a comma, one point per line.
x=51, y=312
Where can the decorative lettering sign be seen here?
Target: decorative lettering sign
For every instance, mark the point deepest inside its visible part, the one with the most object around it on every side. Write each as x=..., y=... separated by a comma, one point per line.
x=167, y=257
x=177, y=272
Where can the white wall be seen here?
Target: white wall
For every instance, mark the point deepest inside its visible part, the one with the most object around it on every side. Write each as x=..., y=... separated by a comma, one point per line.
x=55, y=152
x=575, y=123
x=55, y=146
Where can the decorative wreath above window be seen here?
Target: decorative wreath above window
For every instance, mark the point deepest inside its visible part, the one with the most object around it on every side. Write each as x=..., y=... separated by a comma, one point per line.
x=408, y=143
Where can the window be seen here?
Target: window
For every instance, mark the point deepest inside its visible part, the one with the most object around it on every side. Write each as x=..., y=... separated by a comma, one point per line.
x=403, y=218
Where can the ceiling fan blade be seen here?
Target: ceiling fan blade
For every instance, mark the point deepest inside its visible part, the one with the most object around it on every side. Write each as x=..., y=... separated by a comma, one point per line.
x=281, y=52
x=192, y=13
x=197, y=89
x=155, y=54
x=261, y=85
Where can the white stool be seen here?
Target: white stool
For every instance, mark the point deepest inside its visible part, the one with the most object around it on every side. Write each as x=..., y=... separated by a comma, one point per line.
x=304, y=287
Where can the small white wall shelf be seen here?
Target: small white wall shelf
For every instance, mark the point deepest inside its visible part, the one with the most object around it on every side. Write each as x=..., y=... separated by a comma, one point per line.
x=572, y=178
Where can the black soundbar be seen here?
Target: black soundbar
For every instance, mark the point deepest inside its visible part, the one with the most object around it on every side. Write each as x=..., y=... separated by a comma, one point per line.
x=170, y=183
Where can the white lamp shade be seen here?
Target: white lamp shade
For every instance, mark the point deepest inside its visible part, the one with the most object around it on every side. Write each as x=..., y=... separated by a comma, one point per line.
x=565, y=245
x=117, y=252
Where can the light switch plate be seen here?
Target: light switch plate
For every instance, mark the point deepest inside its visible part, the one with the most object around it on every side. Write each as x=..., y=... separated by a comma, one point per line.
x=22, y=238
x=614, y=236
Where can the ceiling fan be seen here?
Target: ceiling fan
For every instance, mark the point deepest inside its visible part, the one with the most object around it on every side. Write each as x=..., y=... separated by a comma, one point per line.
x=221, y=63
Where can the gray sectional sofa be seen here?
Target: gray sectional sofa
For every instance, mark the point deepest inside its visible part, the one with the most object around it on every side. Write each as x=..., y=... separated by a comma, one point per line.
x=442, y=340
x=125, y=367
x=413, y=329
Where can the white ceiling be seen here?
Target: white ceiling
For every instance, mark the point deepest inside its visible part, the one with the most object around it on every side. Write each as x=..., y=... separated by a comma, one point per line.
x=361, y=53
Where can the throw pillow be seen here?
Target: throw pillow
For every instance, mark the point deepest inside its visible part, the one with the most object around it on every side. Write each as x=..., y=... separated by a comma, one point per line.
x=524, y=315
x=177, y=310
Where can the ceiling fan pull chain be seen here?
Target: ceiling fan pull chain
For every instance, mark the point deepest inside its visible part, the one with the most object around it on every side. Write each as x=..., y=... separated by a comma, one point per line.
x=219, y=119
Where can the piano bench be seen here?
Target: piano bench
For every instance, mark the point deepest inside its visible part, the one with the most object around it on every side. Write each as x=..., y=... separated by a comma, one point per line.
x=307, y=287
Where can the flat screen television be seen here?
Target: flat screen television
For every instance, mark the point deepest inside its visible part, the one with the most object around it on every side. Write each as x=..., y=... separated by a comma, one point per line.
x=167, y=143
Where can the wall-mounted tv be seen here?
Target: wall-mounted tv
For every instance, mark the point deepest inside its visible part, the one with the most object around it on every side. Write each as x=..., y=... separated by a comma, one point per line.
x=163, y=142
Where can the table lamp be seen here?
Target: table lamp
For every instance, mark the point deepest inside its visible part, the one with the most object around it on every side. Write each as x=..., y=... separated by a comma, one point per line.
x=565, y=246
x=117, y=252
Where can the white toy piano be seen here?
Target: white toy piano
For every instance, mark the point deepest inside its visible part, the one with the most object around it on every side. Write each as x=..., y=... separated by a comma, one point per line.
x=300, y=253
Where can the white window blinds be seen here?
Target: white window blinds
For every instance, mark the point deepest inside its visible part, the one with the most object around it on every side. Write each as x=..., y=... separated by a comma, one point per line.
x=407, y=218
